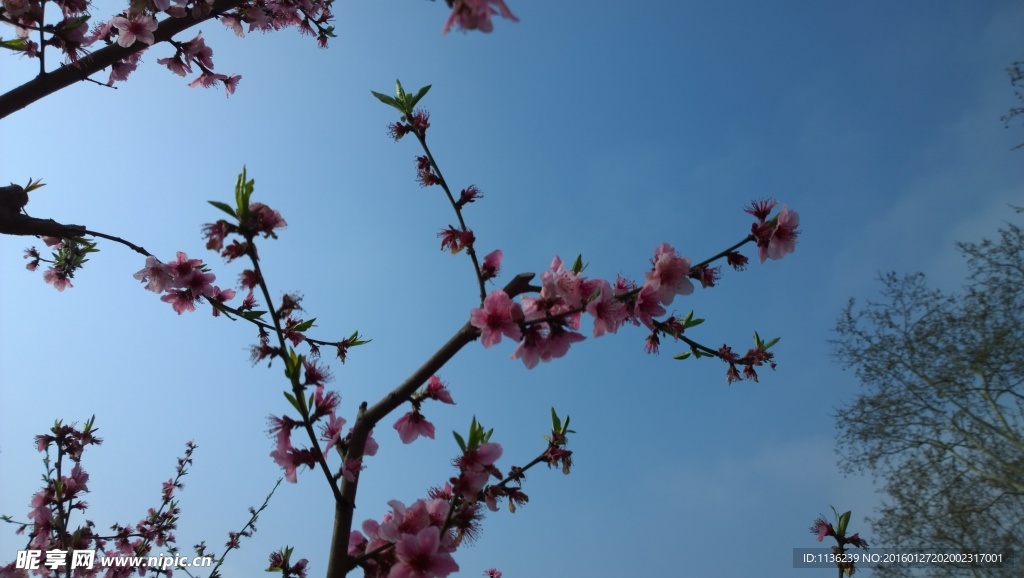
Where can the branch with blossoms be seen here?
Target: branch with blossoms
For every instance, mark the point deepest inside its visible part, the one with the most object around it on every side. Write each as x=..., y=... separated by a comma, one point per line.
x=418, y=540
x=546, y=326
x=50, y=526
x=127, y=35
x=823, y=528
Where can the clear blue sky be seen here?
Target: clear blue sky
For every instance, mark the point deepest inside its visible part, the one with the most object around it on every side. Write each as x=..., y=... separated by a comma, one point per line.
x=600, y=129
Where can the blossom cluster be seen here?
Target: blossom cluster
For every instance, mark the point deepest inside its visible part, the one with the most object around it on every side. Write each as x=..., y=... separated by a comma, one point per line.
x=324, y=408
x=418, y=540
x=54, y=505
x=410, y=542
x=476, y=14
x=413, y=425
x=136, y=27
x=183, y=281
x=546, y=326
x=68, y=256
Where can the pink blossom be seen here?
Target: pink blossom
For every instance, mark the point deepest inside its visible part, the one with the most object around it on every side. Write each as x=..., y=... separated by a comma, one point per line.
x=499, y=316
x=420, y=556
x=652, y=344
x=822, y=528
x=198, y=50
x=647, y=307
x=234, y=23
x=281, y=428
x=231, y=83
x=669, y=276
x=291, y=459
x=476, y=15
x=437, y=390
x=736, y=260
x=492, y=264
x=483, y=456
x=469, y=194
x=402, y=520
x=206, y=80
x=568, y=285
x=783, y=240
x=58, y=278
x=221, y=296
x=120, y=70
x=558, y=342
x=761, y=208
x=492, y=573
x=608, y=312
x=139, y=28
x=262, y=219
x=531, y=347
x=412, y=425
x=175, y=65
x=181, y=301
x=332, y=431
x=15, y=8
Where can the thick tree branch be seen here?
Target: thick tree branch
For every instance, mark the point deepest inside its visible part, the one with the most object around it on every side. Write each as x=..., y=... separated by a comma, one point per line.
x=50, y=82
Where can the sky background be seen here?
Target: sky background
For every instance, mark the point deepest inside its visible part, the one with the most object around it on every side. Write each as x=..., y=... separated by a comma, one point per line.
x=599, y=129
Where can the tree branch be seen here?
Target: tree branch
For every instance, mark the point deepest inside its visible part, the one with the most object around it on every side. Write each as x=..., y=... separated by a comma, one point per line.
x=50, y=82
x=340, y=563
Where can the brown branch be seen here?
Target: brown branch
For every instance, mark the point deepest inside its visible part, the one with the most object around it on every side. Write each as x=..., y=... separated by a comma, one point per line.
x=50, y=82
x=23, y=225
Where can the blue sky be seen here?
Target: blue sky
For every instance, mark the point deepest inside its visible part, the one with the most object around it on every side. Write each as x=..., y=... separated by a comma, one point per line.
x=603, y=131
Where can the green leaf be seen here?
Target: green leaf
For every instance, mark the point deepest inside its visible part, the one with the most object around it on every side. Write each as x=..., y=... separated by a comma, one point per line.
x=33, y=185
x=252, y=315
x=682, y=355
x=304, y=325
x=354, y=339
x=772, y=342
x=578, y=266
x=243, y=190
x=400, y=92
x=690, y=321
x=387, y=100
x=224, y=207
x=844, y=521
x=556, y=424
x=459, y=440
x=16, y=44
x=419, y=95
x=291, y=399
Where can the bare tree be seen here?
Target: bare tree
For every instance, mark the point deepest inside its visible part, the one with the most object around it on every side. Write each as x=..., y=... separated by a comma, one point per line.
x=940, y=420
x=1016, y=73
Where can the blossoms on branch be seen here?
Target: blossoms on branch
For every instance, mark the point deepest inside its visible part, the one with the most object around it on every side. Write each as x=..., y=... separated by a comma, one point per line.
x=184, y=280
x=776, y=237
x=476, y=14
